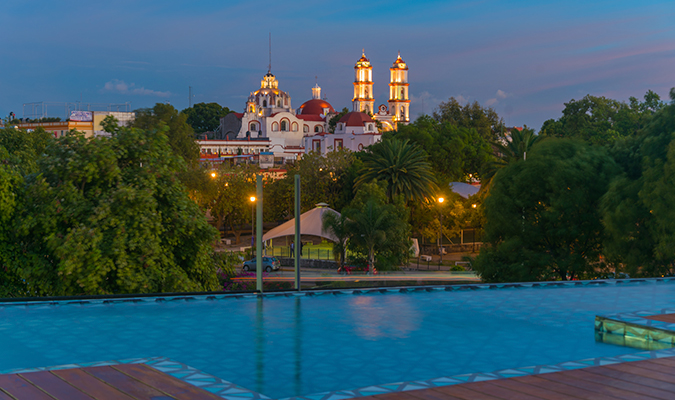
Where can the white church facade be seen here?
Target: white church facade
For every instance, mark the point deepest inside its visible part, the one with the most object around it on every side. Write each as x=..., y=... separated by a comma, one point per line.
x=270, y=129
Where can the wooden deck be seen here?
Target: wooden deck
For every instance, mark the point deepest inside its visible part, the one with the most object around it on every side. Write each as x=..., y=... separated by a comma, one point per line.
x=650, y=379
x=670, y=318
x=123, y=382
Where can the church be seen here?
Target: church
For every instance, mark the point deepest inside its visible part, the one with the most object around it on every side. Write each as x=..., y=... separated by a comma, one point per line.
x=272, y=131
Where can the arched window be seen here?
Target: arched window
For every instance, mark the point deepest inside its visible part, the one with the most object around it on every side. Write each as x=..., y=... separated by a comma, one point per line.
x=367, y=108
x=294, y=127
x=318, y=128
x=264, y=103
x=275, y=126
x=305, y=128
x=284, y=125
x=279, y=103
x=370, y=127
x=254, y=127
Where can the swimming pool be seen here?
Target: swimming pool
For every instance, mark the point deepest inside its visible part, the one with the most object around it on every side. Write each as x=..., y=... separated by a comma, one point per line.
x=287, y=345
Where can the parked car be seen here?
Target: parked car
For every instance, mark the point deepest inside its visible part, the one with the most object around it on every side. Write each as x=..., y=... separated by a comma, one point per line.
x=269, y=264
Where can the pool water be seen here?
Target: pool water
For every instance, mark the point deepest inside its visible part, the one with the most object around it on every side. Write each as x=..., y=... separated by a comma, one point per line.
x=292, y=345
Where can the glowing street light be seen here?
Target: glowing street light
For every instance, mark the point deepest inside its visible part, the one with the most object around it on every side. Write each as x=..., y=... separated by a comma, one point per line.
x=213, y=175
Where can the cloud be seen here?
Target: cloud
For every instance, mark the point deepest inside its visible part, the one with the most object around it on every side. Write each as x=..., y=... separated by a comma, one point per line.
x=491, y=102
x=121, y=87
x=501, y=94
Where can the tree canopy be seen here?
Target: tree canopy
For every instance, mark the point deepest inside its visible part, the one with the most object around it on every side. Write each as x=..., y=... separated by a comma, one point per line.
x=180, y=134
x=600, y=120
x=105, y=216
x=205, y=117
x=542, y=214
x=402, y=166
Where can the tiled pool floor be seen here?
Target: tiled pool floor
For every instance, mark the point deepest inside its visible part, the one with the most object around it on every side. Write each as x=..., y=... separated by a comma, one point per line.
x=294, y=345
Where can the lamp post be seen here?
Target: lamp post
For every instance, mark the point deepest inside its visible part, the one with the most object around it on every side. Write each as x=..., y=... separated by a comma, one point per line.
x=252, y=231
x=473, y=236
x=440, y=242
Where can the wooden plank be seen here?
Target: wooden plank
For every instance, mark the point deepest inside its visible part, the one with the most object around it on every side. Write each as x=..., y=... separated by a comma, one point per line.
x=125, y=383
x=669, y=361
x=652, y=366
x=430, y=394
x=630, y=377
x=571, y=391
x=5, y=396
x=489, y=388
x=637, y=370
x=165, y=383
x=90, y=385
x=662, y=317
x=596, y=386
x=21, y=389
x=395, y=396
x=55, y=386
x=463, y=392
x=531, y=389
x=583, y=374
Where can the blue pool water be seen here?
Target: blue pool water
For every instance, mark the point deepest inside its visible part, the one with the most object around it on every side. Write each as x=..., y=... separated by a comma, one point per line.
x=297, y=345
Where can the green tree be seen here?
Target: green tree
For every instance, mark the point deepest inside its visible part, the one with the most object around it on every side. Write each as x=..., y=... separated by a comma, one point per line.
x=180, y=134
x=336, y=224
x=332, y=123
x=600, y=120
x=485, y=121
x=205, y=117
x=377, y=229
x=231, y=204
x=542, y=216
x=403, y=166
x=637, y=209
x=456, y=153
x=108, y=215
x=512, y=149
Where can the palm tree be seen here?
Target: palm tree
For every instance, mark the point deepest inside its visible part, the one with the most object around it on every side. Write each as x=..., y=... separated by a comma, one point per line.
x=510, y=150
x=336, y=224
x=371, y=227
x=403, y=166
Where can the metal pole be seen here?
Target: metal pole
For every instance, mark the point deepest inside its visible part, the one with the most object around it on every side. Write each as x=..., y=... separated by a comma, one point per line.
x=259, y=228
x=297, y=232
x=441, y=248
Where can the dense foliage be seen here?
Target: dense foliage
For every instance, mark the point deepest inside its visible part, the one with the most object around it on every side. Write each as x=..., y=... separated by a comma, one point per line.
x=205, y=117
x=102, y=215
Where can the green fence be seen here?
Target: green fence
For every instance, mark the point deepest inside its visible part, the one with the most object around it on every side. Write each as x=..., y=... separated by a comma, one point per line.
x=310, y=253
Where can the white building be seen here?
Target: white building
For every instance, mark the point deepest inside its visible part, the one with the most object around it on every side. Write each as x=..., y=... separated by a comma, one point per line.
x=270, y=124
x=357, y=129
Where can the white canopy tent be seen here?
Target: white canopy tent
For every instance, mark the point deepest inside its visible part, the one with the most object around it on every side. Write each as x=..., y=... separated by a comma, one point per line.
x=311, y=223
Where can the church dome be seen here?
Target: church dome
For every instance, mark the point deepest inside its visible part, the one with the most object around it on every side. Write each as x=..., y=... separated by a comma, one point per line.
x=356, y=118
x=315, y=107
x=399, y=63
x=363, y=62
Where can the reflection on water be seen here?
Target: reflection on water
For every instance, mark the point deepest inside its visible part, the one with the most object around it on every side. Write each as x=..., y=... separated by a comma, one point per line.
x=382, y=316
x=260, y=347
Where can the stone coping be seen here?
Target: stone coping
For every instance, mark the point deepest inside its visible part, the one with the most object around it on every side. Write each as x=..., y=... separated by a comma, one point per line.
x=634, y=330
x=322, y=292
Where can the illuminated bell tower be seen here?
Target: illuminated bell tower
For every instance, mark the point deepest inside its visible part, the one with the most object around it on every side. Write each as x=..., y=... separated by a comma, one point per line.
x=399, y=103
x=363, y=100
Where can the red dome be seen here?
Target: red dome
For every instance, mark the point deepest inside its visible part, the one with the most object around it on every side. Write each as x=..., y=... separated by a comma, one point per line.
x=314, y=107
x=356, y=118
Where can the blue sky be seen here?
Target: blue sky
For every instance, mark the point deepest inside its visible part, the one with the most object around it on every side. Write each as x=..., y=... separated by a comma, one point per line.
x=524, y=58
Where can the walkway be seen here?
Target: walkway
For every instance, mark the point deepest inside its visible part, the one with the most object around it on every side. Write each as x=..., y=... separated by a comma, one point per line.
x=123, y=382
x=649, y=379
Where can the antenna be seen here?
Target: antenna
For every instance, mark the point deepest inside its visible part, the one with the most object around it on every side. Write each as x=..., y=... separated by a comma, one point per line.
x=269, y=67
